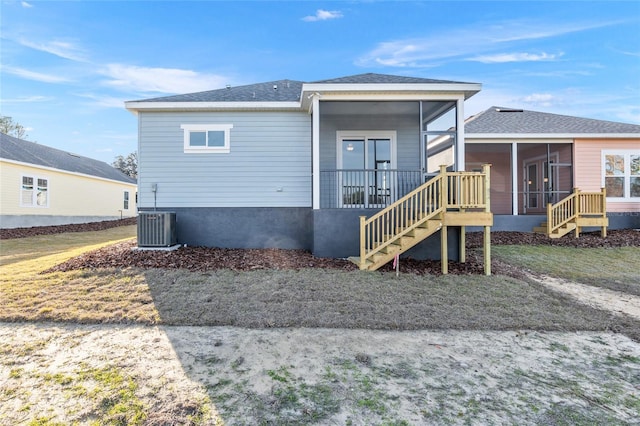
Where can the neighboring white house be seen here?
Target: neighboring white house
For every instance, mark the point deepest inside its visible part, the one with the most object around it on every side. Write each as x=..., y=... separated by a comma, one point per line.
x=41, y=186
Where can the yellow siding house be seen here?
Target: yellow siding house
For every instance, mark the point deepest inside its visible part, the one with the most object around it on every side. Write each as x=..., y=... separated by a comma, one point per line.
x=41, y=186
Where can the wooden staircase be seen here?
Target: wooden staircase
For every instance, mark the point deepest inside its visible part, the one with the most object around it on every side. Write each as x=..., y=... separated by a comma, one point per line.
x=449, y=199
x=577, y=211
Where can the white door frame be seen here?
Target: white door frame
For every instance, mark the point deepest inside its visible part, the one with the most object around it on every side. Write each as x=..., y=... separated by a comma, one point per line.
x=364, y=135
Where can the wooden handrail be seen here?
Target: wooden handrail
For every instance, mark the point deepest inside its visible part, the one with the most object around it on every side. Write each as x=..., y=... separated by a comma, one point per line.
x=577, y=205
x=448, y=190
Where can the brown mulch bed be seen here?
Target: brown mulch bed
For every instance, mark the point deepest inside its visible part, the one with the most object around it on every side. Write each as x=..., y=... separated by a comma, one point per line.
x=202, y=259
x=7, y=234
x=123, y=255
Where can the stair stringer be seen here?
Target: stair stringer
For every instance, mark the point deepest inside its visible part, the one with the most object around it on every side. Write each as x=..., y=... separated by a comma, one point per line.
x=403, y=241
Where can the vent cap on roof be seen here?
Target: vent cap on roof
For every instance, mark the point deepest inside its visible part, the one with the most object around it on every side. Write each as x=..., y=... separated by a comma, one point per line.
x=509, y=110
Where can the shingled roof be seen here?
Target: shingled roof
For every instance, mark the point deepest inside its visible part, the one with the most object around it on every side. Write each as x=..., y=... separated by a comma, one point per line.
x=15, y=149
x=272, y=91
x=500, y=120
x=372, y=78
x=287, y=90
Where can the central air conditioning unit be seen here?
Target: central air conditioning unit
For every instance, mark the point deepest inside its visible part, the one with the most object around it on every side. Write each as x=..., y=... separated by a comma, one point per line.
x=156, y=229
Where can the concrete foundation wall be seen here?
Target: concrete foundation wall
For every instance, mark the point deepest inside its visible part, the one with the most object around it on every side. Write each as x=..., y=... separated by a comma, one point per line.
x=526, y=223
x=337, y=234
x=283, y=227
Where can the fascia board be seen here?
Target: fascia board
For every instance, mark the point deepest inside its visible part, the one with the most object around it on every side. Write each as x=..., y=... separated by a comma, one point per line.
x=191, y=106
x=395, y=92
x=390, y=96
x=552, y=136
x=381, y=96
x=67, y=172
x=392, y=87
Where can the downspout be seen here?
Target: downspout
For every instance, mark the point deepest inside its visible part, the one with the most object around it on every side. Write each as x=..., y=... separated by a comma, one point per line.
x=315, y=149
x=514, y=178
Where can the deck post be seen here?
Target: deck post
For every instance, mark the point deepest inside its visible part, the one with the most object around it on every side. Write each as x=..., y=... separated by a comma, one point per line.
x=444, y=201
x=487, y=250
x=444, y=250
x=603, y=229
x=549, y=218
x=486, y=169
x=444, y=189
x=463, y=244
x=363, y=249
x=576, y=212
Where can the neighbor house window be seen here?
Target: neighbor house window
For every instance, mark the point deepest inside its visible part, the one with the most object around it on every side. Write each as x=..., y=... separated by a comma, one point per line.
x=207, y=138
x=126, y=200
x=35, y=192
x=622, y=174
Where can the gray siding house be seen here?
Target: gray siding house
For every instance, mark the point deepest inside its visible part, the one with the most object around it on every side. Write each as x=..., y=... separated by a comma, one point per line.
x=294, y=164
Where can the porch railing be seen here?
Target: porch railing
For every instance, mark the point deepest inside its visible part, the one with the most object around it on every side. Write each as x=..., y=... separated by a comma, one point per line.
x=576, y=206
x=369, y=188
x=460, y=191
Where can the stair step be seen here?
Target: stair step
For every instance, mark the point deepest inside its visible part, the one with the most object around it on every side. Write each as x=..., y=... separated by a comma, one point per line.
x=356, y=260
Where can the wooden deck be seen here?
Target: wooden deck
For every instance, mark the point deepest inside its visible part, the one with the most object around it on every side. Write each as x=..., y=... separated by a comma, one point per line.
x=457, y=199
x=575, y=212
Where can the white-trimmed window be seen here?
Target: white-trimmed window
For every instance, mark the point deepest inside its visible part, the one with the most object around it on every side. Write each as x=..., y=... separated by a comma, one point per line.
x=621, y=174
x=207, y=138
x=34, y=192
x=125, y=205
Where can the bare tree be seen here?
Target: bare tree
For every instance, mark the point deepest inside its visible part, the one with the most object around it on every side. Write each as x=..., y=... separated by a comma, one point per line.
x=127, y=165
x=11, y=128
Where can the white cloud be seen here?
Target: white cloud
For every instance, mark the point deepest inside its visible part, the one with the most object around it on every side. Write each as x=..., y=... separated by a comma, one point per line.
x=26, y=99
x=103, y=100
x=515, y=57
x=26, y=5
x=468, y=41
x=36, y=76
x=541, y=99
x=160, y=80
x=323, y=15
x=62, y=49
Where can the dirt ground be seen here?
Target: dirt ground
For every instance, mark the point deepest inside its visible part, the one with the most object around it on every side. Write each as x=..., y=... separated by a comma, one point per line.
x=226, y=375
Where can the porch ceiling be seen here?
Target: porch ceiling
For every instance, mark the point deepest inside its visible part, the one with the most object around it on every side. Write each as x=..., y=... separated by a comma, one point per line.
x=369, y=108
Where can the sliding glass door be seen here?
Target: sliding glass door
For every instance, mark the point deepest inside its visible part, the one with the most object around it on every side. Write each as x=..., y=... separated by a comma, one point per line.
x=365, y=164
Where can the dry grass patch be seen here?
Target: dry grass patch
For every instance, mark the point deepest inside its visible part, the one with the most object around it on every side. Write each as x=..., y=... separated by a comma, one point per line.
x=307, y=297
x=79, y=296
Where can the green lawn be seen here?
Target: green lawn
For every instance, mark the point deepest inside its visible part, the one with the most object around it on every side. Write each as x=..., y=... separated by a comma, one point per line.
x=613, y=268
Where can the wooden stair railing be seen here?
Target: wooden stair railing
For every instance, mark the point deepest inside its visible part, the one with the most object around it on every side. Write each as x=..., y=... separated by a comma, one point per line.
x=578, y=210
x=449, y=199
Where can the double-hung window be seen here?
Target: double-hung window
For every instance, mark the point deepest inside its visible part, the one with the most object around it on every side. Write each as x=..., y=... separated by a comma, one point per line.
x=34, y=192
x=126, y=201
x=622, y=174
x=207, y=138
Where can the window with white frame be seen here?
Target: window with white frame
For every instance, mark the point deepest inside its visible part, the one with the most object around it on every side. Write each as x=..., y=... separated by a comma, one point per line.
x=621, y=174
x=34, y=192
x=207, y=138
x=126, y=200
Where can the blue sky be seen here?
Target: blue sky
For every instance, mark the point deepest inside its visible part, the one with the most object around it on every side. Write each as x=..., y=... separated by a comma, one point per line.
x=68, y=66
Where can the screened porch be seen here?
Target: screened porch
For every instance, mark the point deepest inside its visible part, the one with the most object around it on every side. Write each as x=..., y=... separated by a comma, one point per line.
x=373, y=153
